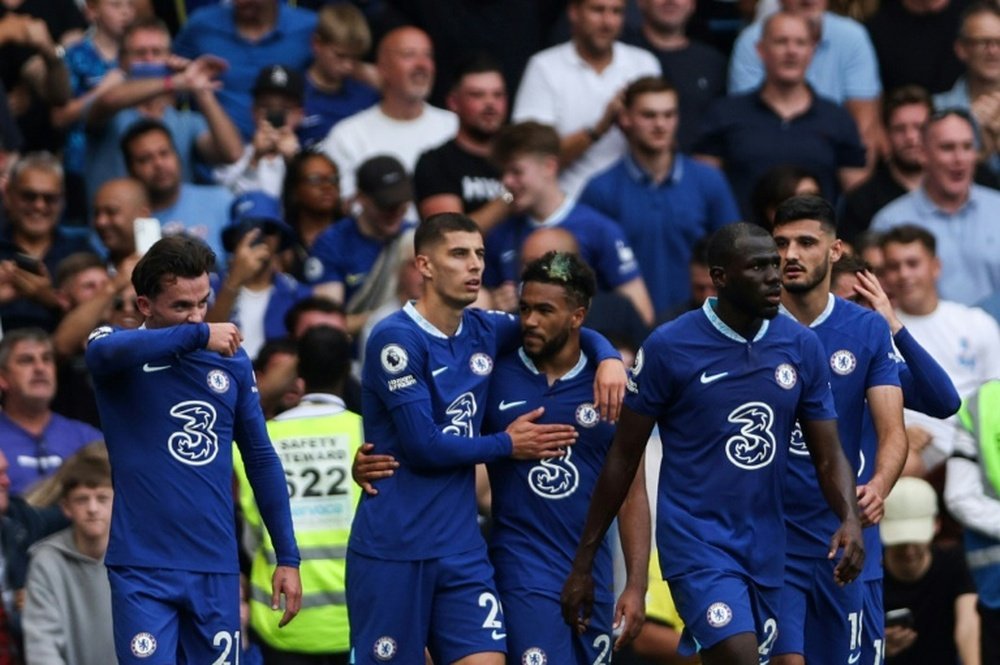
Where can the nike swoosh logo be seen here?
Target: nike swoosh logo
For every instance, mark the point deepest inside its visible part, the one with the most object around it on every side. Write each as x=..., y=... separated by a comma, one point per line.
x=510, y=405
x=709, y=378
x=438, y=371
x=154, y=368
x=496, y=635
x=854, y=657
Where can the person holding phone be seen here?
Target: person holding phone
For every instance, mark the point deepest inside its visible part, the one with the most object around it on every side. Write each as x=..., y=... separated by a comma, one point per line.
x=277, y=113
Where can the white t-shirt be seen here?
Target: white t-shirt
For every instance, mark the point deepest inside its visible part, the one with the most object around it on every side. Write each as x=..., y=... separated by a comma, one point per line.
x=965, y=341
x=248, y=311
x=562, y=90
x=239, y=177
x=371, y=132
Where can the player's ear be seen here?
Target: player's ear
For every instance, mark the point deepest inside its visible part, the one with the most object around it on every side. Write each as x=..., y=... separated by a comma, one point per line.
x=423, y=266
x=144, y=305
x=718, y=274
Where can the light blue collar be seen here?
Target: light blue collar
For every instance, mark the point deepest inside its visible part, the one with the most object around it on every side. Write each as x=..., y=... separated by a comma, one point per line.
x=424, y=324
x=580, y=364
x=722, y=327
x=823, y=316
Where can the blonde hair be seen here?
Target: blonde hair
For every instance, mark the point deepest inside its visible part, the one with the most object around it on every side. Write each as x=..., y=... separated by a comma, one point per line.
x=344, y=24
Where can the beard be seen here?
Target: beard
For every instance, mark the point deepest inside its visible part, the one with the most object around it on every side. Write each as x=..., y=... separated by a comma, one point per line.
x=549, y=348
x=812, y=280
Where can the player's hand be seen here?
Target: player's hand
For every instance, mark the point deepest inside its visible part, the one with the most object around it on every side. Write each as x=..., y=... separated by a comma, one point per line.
x=630, y=613
x=533, y=441
x=285, y=582
x=869, y=288
x=848, y=539
x=577, y=600
x=871, y=503
x=367, y=468
x=609, y=388
x=223, y=338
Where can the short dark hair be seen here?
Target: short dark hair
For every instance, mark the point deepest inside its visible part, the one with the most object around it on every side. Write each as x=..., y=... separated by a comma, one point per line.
x=909, y=233
x=171, y=258
x=271, y=348
x=774, y=187
x=644, y=86
x=524, y=137
x=12, y=338
x=433, y=229
x=847, y=264
x=310, y=304
x=978, y=7
x=324, y=359
x=137, y=130
x=475, y=62
x=88, y=468
x=74, y=264
x=566, y=270
x=798, y=208
x=722, y=244
x=905, y=95
x=144, y=23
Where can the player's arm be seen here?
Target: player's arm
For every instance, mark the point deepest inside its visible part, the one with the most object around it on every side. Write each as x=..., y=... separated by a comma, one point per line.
x=836, y=480
x=620, y=467
x=635, y=532
x=886, y=406
x=110, y=350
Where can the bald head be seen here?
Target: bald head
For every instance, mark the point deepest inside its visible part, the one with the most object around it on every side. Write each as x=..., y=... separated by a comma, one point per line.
x=545, y=240
x=116, y=205
x=405, y=62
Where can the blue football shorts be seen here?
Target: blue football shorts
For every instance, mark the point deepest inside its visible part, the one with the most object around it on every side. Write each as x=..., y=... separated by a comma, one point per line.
x=820, y=620
x=449, y=604
x=174, y=617
x=537, y=634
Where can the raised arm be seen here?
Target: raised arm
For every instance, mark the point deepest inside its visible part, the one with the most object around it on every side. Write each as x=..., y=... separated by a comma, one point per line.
x=110, y=350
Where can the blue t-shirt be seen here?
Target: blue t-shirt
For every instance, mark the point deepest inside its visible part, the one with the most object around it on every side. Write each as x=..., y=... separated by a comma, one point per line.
x=171, y=410
x=602, y=245
x=726, y=407
x=662, y=222
x=323, y=110
x=86, y=68
x=540, y=507
x=201, y=211
x=347, y=255
x=859, y=351
x=212, y=29
x=32, y=458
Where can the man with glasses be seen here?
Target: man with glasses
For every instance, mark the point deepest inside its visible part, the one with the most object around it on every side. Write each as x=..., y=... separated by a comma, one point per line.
x=32, y=245
x=958, y=212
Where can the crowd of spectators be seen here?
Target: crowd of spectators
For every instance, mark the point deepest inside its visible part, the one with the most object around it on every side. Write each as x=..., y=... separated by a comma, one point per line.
x=303, y=142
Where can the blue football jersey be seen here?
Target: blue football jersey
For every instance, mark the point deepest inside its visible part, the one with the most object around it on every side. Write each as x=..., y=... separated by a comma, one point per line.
x=171, y=411
x=427, y=509
x=540, y=506
x=859, y=352
x=726, y=407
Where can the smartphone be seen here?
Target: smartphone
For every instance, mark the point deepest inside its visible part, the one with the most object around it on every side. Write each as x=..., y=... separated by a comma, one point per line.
x=902, y=617
x=147, y=232
x=28, y=263
x=276, y=117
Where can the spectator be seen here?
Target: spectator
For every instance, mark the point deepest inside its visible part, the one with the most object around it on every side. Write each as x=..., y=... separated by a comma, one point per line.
x=775, y=187
x=663, y=200
x=117, y=204
x=248, y=35
x=978, y=89
x=458, y=176
x=199, y=210
x=310, y=197
x=332, y=90
x=275, y=371
x=957, y=211
x=67, y=611
x=34, y=438
x=360, y=254
x=972, y=495
x=154, y=76
x=928, y=581
x=33, y=243
x=89, y=61
x=696, y=70
x=528, y=155
x=914, y=42
x=403, y=124
x=843, y=67
x=255, y=294
x=782, y=122
x=576, y=87
x=964, y=340
x=277, y=113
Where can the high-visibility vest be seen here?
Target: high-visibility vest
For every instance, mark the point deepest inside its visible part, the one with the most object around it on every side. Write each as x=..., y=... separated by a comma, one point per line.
x=316, y=453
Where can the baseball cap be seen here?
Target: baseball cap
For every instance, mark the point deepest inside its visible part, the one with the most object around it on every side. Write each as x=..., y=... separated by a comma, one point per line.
x=255, y=210
x=385, y=180
x=910, y=512
x=280, y=79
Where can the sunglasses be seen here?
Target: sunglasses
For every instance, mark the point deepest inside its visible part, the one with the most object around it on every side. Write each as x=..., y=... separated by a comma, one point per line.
x=31, y=196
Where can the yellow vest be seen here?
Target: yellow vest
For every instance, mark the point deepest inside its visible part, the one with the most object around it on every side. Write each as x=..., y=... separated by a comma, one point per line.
x=316, y=453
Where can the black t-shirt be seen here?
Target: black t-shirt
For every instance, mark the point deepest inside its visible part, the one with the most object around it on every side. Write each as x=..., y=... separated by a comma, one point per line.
x=448, y=169
x=698, y=71
x=917, y=48
x=932, y=601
